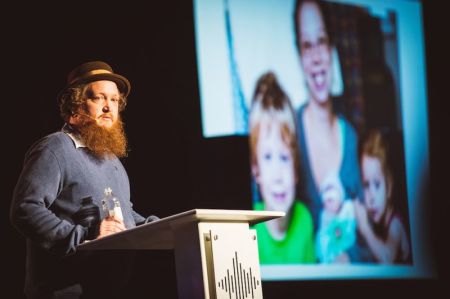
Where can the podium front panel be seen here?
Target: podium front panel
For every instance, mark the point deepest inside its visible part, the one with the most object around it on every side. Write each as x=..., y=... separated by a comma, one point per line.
x=231, y=254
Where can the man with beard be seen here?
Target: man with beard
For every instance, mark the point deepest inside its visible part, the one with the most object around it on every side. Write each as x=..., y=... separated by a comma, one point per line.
x=61, y=170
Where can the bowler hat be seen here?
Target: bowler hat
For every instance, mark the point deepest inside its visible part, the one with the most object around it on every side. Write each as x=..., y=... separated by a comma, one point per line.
x=95, y=71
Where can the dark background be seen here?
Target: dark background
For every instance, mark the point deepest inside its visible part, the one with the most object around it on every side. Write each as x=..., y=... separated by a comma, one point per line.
x=171, y=167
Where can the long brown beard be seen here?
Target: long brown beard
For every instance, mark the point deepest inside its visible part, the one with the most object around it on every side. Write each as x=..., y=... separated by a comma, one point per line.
x=104, y=142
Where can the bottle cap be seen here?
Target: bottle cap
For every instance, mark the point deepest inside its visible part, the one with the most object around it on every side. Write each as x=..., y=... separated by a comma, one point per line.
x=108, y=191
x=87, y=200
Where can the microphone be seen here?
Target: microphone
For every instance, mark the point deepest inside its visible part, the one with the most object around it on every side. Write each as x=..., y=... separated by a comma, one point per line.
x=86, y=115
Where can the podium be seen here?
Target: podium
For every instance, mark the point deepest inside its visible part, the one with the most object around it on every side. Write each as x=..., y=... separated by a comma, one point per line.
x=216, y=251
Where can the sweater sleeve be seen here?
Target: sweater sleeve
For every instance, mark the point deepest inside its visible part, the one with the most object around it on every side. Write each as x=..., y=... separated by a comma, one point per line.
x=138, y=218
x=37, y=188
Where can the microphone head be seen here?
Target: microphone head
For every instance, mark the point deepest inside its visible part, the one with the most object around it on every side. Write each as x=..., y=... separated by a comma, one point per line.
x=86, y=115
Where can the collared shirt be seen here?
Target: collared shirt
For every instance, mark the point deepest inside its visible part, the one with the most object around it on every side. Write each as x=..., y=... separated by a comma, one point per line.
x=67, y=128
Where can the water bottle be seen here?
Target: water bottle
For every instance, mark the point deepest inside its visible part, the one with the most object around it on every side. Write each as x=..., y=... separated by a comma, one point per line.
x=88, y=215
x=111, y=205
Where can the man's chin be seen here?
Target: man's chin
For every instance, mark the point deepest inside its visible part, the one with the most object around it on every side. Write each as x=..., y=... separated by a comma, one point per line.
x=105, y=138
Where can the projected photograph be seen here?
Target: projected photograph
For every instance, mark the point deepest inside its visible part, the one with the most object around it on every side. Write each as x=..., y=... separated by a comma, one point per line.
x=324, y=92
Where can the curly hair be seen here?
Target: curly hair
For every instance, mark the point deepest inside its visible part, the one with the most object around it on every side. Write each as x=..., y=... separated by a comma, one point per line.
x=74, y=98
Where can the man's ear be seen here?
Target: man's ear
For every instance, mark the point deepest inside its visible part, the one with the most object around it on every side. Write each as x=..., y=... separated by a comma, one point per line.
x=76, y=117
x=73, y=119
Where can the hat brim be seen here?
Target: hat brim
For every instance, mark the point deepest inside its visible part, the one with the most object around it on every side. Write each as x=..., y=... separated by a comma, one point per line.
x=122, y=83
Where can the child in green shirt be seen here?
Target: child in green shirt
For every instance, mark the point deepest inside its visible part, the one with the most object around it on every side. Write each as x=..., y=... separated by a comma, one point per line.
x=274, y=162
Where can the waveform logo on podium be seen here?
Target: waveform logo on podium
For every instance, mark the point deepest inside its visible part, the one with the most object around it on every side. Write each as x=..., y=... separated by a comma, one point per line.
x=239, y=283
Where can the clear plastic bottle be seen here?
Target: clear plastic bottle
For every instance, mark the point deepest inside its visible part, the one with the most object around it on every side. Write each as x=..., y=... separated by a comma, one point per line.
x=111, y=205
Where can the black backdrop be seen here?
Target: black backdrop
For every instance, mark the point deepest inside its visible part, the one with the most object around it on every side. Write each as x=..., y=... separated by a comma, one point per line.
x=171, y=167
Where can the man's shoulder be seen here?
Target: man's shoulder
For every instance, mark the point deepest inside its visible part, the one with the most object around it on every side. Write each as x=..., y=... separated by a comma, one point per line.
x=54, y=142
x=56, y=139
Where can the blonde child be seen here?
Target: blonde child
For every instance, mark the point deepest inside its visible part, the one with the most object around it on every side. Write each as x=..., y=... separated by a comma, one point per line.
x=274, y=162
x=377, y=220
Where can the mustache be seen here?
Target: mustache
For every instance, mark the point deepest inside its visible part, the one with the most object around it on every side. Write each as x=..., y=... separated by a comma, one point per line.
x=107, y=114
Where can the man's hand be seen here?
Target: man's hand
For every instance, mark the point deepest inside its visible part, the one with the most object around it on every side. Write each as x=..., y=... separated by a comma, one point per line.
x=110, y=225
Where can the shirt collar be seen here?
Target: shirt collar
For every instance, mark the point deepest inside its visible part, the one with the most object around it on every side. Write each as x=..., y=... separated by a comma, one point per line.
x=68, y=129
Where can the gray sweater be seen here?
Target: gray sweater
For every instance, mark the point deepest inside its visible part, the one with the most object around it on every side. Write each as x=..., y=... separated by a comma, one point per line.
x=56, y=176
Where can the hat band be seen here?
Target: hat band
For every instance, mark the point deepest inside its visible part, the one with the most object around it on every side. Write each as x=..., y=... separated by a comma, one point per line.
x=91, y=73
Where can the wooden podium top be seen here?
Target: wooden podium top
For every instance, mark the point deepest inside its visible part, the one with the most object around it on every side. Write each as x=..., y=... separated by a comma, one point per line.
x=159, y=234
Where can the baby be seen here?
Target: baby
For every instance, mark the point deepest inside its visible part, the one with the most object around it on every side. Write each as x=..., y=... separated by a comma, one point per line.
x=337, y=226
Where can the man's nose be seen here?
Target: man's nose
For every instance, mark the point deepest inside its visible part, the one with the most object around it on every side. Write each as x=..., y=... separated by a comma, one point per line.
x=106, y=105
